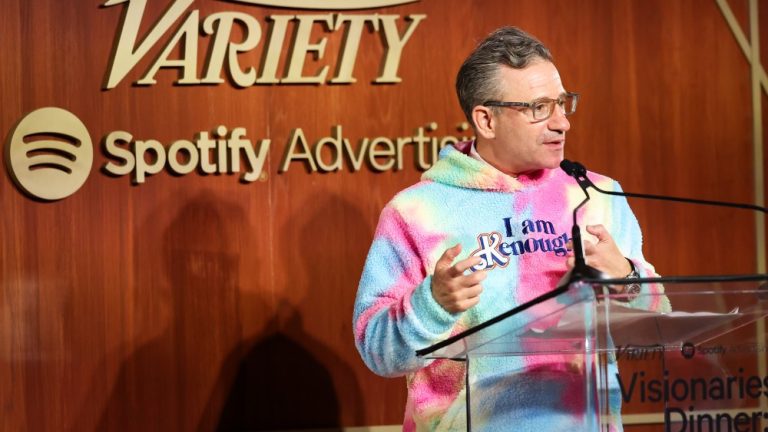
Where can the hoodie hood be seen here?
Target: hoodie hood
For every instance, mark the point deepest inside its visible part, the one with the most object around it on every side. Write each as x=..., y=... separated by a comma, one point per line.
x=456, y=167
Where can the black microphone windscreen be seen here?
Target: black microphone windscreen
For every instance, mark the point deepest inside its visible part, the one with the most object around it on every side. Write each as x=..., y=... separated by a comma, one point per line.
x=573, y=169
x=579, y=169
x=568, y=166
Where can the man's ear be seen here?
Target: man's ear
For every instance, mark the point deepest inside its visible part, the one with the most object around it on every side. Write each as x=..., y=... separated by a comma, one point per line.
x=485, y=124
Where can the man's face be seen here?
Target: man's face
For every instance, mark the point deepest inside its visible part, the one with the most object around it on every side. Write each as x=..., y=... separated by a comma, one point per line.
x=517, y=144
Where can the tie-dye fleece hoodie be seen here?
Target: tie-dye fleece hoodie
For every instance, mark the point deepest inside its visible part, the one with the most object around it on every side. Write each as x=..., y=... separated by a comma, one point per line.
x=520, y=227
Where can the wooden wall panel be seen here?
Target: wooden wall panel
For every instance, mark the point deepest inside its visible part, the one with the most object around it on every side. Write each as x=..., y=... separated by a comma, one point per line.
x=195, y=302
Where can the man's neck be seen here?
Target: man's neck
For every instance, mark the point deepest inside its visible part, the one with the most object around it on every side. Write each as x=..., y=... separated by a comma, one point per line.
x=488, y=158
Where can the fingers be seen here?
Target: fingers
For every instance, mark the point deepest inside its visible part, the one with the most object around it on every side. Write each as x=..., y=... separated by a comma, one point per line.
x=600, y=232
x=471, y=297
x=473, y=279
x=448, y=256
x=444, y=262
x=462, y=305
x=590, y=247
x=451, y=288
x=457, y=286
x=461, y=298
x=460, y=267
x=467, y=293
x=605, y=254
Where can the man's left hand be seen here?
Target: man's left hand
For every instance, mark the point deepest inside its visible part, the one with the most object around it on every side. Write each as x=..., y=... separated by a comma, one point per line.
x=603, y=255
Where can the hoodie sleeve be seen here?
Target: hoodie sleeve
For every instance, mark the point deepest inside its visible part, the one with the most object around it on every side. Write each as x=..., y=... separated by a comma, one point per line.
x=395, y=313
x=627, y=235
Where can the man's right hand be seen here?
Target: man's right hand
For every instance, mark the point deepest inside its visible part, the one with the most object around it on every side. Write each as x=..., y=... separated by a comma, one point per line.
x=451, y=288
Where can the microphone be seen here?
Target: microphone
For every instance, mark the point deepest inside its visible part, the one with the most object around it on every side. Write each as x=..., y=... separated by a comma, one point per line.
x=573, y=169
x=580, y=269
x=579, y=173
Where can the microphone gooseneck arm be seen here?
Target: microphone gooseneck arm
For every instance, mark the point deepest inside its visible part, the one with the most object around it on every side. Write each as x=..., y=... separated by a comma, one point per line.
x=578, y=247
x=683, y=200
x=577, y=171
x=580, y=269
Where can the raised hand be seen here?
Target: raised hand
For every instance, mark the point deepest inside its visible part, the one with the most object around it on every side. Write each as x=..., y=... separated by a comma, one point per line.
x=451, y=288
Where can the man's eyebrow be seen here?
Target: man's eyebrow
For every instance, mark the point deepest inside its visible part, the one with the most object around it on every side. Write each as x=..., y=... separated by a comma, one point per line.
x=549, y=98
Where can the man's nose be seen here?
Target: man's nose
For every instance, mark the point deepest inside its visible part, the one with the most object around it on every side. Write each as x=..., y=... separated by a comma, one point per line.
x=558, y=121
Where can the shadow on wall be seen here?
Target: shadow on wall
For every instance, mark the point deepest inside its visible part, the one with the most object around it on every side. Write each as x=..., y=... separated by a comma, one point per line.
x=164, y=384
x=185, y=363
x=279, y=383
x=288, y=378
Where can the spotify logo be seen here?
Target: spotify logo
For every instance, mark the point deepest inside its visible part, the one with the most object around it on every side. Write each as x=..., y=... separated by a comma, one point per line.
x=49, y=154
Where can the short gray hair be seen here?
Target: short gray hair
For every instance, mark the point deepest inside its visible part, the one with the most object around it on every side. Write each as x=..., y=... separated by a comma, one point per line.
x=477, y=80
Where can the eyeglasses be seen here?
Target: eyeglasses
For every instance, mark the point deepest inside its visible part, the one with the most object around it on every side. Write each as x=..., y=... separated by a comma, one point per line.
x=542, y=109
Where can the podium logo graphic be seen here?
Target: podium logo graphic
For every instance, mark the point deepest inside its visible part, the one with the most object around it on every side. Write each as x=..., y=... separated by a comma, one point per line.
x=688, y=350
x=50, y=153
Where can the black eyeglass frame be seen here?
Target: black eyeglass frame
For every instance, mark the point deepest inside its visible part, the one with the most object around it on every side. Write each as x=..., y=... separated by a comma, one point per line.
x=530, y=105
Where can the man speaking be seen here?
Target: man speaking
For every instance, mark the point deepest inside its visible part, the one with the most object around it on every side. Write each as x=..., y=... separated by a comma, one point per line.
x=485, y=230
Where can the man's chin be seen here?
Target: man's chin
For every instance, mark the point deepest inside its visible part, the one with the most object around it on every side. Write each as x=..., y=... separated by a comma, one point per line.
x=555, y=162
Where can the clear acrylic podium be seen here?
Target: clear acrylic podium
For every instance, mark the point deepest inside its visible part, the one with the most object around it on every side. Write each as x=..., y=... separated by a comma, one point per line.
x=612, y=362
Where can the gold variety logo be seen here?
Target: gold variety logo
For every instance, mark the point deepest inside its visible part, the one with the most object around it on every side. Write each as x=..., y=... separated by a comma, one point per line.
x=49, y=154
x=327, y=4
x=179, y=35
